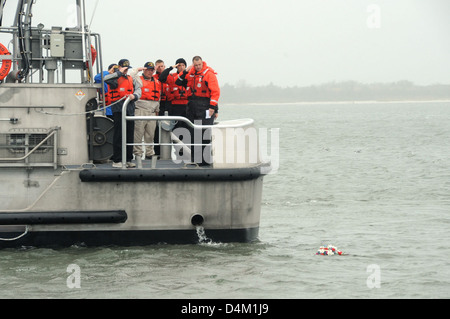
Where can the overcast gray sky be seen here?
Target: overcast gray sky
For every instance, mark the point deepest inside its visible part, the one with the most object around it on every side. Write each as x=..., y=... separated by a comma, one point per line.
x=286, y=42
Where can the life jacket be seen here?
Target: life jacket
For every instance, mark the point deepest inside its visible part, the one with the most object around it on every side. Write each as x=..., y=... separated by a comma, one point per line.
x=124, y=87
x=166, y=95
x=203, y=84
x=179, y=93
x=151, y=89
x=108, y=98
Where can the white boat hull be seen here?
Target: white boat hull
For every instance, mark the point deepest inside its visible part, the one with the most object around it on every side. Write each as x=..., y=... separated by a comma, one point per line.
x=157, y=211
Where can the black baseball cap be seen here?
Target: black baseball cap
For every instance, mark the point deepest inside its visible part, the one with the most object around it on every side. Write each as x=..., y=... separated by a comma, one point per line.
x=124, y=63
x=149, y=65
x=181, y=60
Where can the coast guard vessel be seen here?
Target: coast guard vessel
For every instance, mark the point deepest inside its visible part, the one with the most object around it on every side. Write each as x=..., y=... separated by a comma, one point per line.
x=57, y=187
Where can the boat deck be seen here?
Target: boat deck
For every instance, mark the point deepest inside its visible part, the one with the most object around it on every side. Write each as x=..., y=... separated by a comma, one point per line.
x=154, y=164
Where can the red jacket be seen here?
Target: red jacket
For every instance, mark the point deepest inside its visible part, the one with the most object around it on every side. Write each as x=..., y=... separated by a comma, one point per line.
x=204, y=84
x=166, y=95
x=124, y=87
x=151, y=89
x=179, y=93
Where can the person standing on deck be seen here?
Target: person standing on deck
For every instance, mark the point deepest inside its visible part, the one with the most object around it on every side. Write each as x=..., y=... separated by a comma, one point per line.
x=203, y=90
x=125, y=86
x=147, y=105
x=179, y=97
x=98, y=79
x=165, y=103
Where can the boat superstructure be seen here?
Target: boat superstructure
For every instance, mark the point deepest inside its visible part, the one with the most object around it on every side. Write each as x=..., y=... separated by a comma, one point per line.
x=57, y=187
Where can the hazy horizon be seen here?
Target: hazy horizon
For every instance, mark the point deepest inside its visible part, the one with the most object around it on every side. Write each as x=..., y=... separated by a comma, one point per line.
x=284, y=42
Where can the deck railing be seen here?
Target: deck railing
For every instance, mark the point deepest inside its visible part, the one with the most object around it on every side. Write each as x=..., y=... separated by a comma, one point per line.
x=125, y=118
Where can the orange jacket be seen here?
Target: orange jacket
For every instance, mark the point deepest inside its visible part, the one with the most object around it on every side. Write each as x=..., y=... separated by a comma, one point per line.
x=124, y=87
x=108, y=98
x=204, y=84
x=166, y=95
x=179, y=93
x=151, y=90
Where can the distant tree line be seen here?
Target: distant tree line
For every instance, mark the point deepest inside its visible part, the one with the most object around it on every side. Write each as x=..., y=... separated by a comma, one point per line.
x=333, y=91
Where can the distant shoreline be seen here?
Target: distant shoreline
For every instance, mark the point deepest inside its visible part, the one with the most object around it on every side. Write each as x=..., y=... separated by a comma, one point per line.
x=339, y=102
x=349, y=92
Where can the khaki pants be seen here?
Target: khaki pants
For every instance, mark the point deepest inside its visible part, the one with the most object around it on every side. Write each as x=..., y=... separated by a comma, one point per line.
x=145, y=129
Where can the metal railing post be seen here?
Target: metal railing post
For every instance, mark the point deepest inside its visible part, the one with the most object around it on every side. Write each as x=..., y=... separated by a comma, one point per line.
x=124, y=133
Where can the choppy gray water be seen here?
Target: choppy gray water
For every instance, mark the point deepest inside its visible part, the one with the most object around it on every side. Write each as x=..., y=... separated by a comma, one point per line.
x=371, y=179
